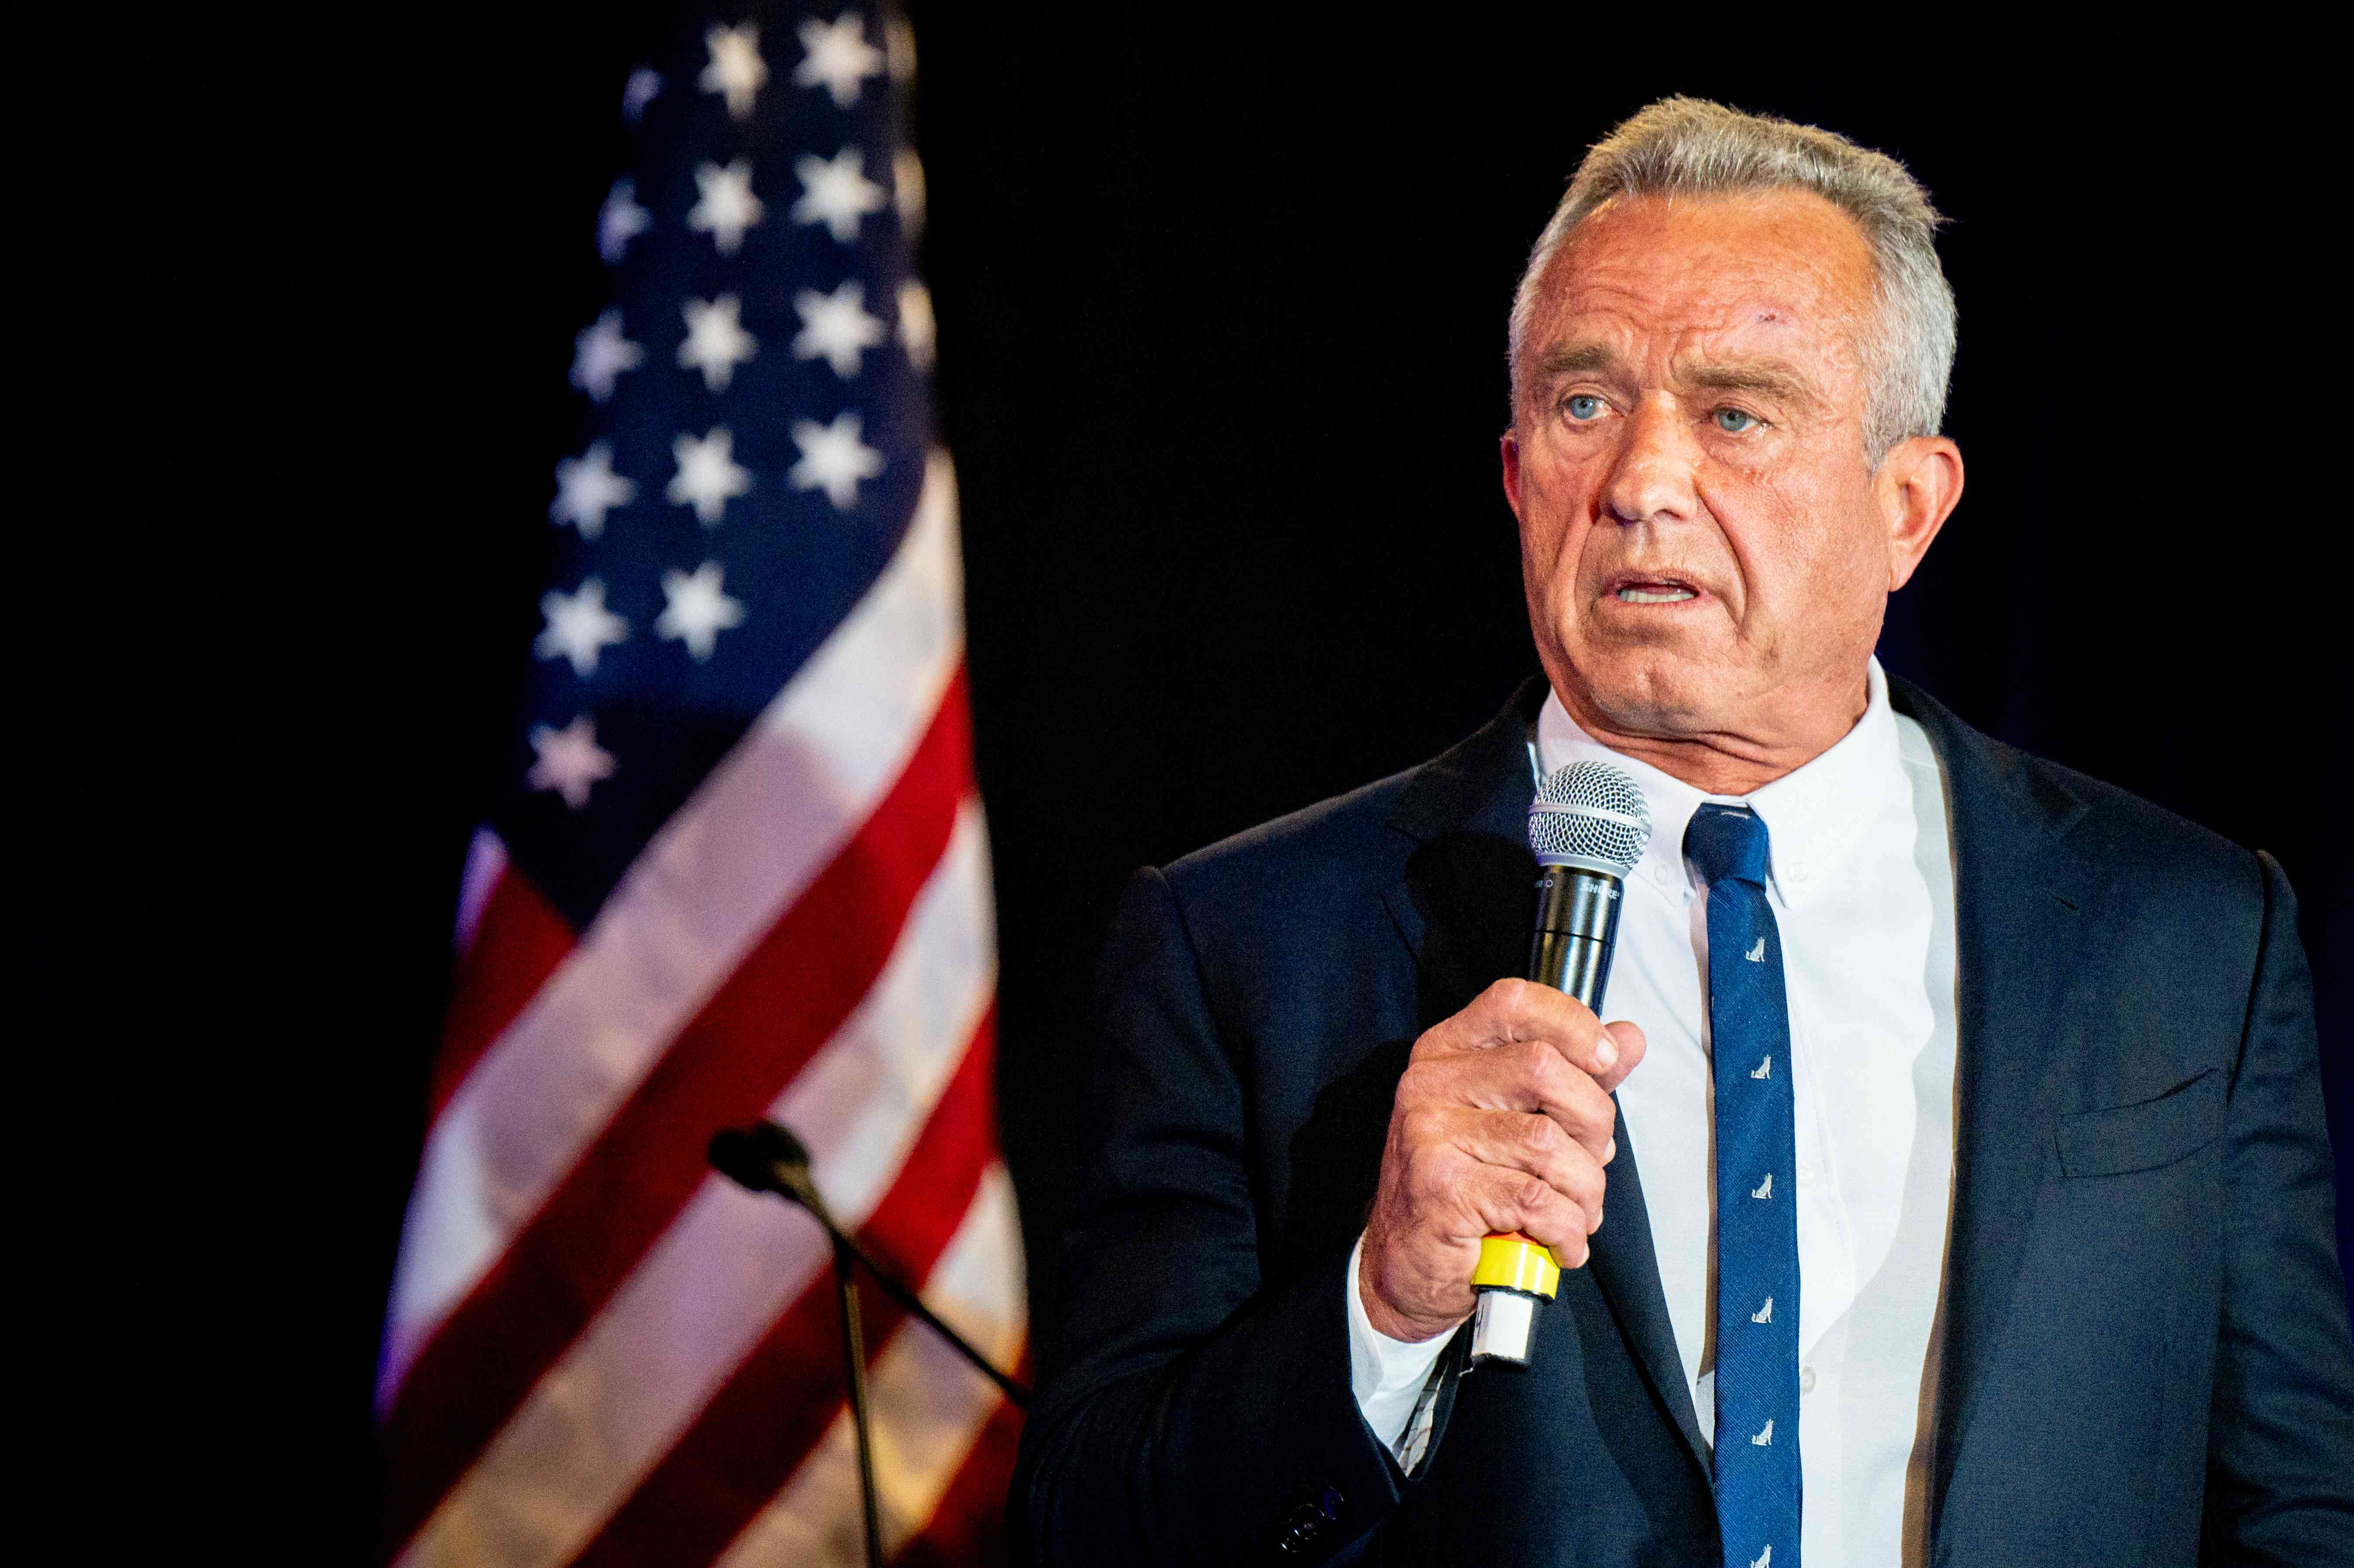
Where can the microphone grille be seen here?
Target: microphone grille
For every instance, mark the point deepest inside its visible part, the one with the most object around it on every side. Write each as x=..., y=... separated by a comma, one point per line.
x=1591, y=815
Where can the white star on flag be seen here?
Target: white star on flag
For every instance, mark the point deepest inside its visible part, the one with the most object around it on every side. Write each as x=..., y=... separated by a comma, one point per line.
x=838, y=57
x=833, y=459
x=919, y=333
x=569, y=761
x=728, y=207
x=836, y=193
x=737, y=69
x=698, y=611
x=709, y=475
x=716, y=342
x=600, y=353
x=587, y=488
x=835, y=327
x=620, y=220
x=643, y=87
x=580, y=626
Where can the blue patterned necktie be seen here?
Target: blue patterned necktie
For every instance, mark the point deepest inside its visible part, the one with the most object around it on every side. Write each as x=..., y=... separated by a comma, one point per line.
x=1757, y=1478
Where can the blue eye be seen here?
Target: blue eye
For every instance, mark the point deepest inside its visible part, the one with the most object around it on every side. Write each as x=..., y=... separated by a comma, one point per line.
x=1733, y=422
x=1584, y=407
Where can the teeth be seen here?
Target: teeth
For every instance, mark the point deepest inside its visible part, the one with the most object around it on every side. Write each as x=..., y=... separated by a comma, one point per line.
x=1653, y=595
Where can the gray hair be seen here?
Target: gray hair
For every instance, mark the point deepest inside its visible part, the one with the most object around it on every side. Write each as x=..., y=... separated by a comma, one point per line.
x=1687, y=146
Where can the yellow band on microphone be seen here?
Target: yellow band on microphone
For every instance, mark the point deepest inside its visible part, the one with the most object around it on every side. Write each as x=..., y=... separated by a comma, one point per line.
x=1516, y=1263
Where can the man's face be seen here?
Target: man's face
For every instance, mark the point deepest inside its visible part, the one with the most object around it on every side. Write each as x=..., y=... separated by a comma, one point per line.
x=1706, y=550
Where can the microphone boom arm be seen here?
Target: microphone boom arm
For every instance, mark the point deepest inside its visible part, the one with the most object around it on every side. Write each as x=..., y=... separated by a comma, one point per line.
x=767, y=1158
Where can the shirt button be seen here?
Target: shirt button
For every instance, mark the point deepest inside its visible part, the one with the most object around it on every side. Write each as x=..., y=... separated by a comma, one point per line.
x=1805, y=1171
x=1806, y=1379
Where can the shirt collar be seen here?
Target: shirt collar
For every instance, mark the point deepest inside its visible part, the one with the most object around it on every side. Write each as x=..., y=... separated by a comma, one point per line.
x=1815, y=815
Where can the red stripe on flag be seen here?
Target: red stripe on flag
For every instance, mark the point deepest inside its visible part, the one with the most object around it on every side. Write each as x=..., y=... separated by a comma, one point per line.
x=789, y=995
x=968, y=1528
x=756, y=1432
x=518, y=943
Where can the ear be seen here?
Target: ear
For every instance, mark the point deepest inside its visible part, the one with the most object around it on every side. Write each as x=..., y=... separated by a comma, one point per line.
x=1918, y=484
x=1511, y=445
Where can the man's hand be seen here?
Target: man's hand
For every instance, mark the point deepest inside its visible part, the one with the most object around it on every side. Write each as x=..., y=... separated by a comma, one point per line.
x=1502, y=1122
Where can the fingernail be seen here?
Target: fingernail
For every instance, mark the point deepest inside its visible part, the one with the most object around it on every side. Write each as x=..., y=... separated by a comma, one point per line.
x=1606, y=1052
x=1609, y=1151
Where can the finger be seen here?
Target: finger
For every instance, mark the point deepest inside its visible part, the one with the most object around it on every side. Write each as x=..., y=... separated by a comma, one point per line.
x=1508, y=1011
x=1536, y=1145
x=1628, y=1037
x=1507, y=1202
x=1522, y=1010
x=1515, y=1011
x=1530, y=1076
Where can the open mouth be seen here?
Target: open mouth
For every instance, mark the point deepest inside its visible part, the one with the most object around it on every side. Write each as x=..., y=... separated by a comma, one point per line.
x=1661, y=591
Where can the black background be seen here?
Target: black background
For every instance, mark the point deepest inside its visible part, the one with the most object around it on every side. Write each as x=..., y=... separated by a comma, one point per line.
x=1222, y=310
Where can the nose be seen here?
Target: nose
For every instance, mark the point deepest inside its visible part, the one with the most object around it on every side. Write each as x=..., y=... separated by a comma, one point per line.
x=1651, y=480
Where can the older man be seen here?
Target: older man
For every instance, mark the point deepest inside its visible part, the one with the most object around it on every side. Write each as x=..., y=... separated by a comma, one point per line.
x=2049, y=1274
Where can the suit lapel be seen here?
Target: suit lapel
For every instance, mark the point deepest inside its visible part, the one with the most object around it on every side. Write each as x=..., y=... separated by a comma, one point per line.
x=1627, y=1270
x=2021, y=907
x=1464, y=908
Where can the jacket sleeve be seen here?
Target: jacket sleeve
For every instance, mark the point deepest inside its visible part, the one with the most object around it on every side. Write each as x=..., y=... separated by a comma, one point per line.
x=2280, y=1450
x=1199, y=1413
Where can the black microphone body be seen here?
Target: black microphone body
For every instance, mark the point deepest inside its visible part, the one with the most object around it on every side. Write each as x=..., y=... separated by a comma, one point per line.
x=1576, y=928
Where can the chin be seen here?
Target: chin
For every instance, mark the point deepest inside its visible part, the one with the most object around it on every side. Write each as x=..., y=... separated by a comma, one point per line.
x=1647, y=690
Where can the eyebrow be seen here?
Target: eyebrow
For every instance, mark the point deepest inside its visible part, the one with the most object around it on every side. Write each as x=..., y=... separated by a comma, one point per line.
x=1767, y=378
x=1580, y=360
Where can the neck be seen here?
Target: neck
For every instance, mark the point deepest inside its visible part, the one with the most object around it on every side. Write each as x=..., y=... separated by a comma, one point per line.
x=1731, y=761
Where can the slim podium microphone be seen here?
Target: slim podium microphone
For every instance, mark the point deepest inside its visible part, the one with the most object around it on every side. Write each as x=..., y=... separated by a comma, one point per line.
x=1587, y=826
x=768, y=1157
x=765, y=1157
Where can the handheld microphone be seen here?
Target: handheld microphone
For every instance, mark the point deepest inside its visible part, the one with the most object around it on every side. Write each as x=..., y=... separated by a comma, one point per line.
x=1587, y=826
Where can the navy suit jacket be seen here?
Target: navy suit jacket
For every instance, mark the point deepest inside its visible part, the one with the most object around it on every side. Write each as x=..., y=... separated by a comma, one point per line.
x=2145, y=1354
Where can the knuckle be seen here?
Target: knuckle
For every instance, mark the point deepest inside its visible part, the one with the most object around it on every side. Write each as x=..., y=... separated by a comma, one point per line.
x=1592, y=1109
x=1515, y=1002
x=1549, y=1075
x=1505, y=993
x=1564, y=1222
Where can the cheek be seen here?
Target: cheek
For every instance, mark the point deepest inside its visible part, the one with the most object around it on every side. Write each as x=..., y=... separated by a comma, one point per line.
x=1553, y=518
x=1808, y=549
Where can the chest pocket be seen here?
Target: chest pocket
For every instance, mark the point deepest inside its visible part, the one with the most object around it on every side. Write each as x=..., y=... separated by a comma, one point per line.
x=2145, y=1135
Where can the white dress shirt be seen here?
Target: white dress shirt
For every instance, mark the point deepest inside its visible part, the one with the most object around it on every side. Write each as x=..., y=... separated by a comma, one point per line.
x=1862, y=890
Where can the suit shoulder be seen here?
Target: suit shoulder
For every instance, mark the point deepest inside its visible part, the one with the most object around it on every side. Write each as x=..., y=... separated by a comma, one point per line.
x=2109, y=828
x=2119, y=830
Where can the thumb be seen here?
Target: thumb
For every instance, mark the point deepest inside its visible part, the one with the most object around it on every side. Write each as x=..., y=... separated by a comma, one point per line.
x=1629, y=1040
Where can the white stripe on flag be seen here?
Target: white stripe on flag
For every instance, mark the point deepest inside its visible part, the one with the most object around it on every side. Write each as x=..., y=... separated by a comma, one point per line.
x=703, y=1296
x=928, y=1406
x=712, y=883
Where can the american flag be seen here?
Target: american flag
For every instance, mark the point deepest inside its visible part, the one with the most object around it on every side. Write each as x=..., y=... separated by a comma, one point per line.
x=738, y=869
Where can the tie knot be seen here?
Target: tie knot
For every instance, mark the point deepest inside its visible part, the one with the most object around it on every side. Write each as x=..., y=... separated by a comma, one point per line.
x=1728, y=844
